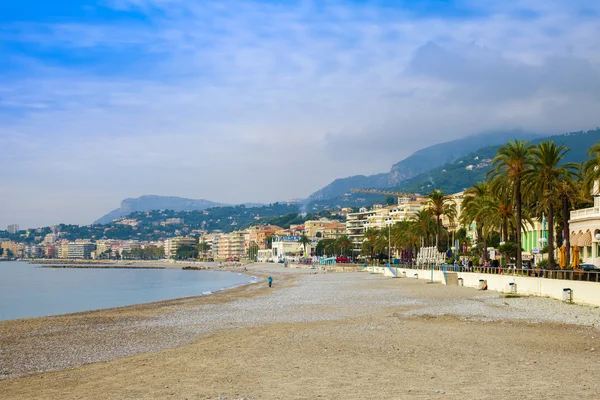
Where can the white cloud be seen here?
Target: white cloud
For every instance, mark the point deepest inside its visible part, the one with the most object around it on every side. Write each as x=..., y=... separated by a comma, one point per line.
x=245, y=101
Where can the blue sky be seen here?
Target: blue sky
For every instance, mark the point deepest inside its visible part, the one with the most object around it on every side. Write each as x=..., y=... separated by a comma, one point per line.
x=259, y=101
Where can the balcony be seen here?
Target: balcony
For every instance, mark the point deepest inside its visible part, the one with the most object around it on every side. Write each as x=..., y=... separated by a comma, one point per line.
x=585, y=213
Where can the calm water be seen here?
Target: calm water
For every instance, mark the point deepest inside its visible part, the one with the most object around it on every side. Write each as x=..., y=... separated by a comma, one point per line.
x=27, y=291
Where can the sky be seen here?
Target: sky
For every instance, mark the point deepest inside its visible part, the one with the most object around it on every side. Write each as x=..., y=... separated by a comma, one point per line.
x=261, y=101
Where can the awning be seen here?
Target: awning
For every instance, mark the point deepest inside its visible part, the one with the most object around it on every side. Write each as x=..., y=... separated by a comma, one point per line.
x=585, y=240
x=575, y=238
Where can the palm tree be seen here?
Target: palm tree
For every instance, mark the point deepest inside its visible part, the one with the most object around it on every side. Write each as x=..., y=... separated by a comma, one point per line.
x=591, y=169
x=304, y=241
x=473, y=204
x=498, y=209
x=344, y=243
x=543, y=179
x=424, y=224
x=369, y=241
x=203, y=247
x=440, y=204
x=513, y=160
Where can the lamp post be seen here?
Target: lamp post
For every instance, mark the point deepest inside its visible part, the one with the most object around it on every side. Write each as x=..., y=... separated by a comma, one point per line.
x=541, y=241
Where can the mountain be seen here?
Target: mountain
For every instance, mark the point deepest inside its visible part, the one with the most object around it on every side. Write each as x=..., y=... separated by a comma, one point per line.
x=419, y=162
x=153, y=202
x=465, y=171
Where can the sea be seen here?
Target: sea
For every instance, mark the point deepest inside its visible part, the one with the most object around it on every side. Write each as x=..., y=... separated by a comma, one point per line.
x=27, y=291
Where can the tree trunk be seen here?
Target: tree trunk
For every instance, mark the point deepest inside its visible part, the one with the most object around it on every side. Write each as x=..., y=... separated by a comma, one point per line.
x=484, y=252
x=437, y=236
x=566, y=228
x=551, y=236
x=519, y=262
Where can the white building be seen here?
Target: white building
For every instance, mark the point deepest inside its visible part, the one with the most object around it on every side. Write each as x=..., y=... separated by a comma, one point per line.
x=284, y=246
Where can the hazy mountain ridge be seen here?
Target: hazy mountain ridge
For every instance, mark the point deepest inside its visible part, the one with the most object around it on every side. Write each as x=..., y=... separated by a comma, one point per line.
x=419, y=162
x=155, y=202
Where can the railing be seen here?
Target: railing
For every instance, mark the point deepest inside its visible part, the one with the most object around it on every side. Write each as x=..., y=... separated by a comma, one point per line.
x=566, y=274
x=585, y=212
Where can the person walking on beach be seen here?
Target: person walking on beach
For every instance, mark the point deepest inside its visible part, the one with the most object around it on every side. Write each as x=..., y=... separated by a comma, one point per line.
x=270, y=281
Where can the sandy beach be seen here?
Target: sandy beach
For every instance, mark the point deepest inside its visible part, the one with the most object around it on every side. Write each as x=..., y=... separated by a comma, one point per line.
x=324, y=335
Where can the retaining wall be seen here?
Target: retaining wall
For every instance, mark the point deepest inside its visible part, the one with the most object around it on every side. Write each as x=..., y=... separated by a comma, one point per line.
x=583, y=292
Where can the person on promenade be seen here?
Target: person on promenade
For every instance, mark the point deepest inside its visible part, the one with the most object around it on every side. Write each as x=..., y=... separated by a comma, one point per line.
x=270, y=281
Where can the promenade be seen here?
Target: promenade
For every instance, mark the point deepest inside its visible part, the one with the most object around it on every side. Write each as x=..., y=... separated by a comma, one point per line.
x=314, y=335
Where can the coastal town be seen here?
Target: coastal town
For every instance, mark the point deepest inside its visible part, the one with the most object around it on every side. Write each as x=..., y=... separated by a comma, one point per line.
x=270, y=243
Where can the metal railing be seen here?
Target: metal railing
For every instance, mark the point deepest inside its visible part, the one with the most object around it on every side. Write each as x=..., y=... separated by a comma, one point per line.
x=566, y=274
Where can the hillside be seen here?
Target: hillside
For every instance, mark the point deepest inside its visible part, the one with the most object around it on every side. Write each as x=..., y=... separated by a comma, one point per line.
x=456, y=176
x=161, y=224
x=153, y=202
x=417, y=163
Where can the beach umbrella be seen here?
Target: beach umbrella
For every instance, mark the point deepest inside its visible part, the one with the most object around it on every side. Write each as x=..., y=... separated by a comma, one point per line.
x=563, y=257
x=575, y=262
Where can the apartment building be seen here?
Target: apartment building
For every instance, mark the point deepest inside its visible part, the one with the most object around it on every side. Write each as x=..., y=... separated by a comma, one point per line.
x=355, y=227
x=16, y=249
x=173, y=244
x=334, y=230
x=258, y=235
x=80, y=250
x=237, y=245
x=13, y=229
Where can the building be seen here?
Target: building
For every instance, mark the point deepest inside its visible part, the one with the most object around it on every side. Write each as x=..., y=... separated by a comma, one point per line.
x=224, y=246
x=452, y=225
x=11, y=248
x=355, y=228
x=33, y=251
x=13, y=229
x=173, y=244
x=333, y=230
x=258, y=235
x=237, y=245
x=50, y=251
x=287, y=246
x=584, y=225
x=62, y=250
x=80, y=250
x=534, y=237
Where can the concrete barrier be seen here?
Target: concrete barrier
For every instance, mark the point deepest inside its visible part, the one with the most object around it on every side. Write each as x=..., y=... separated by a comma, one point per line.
x=583, y=292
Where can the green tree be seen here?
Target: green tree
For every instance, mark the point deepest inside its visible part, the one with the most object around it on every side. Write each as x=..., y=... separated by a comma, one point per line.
x=473, y=204
x=591, y=169
x=424, y=225
x=304, y=241
x=440, y=204
x=368, y=245
x=185, y=252
x=203, y=248
x=543, y=179
x=344, y=244
x=253, y=251
x=513, y=160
